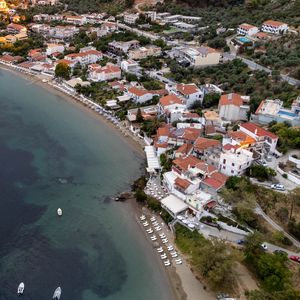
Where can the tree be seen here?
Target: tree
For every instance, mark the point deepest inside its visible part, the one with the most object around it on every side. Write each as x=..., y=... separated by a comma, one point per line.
x=260, y=172
x=139, y=117
x=62, y=70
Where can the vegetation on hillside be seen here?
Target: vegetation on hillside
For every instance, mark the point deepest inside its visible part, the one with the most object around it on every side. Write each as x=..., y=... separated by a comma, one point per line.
x=235, y=76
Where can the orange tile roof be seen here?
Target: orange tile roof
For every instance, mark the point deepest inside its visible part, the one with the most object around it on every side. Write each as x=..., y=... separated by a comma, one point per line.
x=184, y=149
x=273, y=23
x=202, y=144
x=164, y=131
x=182, y=183
x=191, y=134
x=183, y=163
x=187, y=89
x=169, y=100
x=258, y=131
x=228, y=147
x=246, y=26
x=232, y=98
x=138, y=92
x=216, y=180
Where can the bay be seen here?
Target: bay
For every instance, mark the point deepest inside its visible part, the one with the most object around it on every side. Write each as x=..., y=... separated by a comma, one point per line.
x=55, y=154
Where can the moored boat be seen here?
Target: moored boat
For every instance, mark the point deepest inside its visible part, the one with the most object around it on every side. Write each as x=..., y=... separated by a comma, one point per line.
x=57, y=293
x=21, y=288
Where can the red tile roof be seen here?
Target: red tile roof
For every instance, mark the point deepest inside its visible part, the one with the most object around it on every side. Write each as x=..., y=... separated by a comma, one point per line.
x=164, y=131
x=232, y=98
x=182, y=183
x=184, y=149
x=273, y=23
x=191, y=134
x=216, y=180
x=202, y=144
x=187, y=89
x=228, y=147
x=258, y=131
x=246, y=26
x=169, y=100
x=183, y=163
x=138, y=92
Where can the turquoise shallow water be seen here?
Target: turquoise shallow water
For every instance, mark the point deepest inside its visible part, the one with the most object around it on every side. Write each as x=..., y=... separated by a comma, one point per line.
x=95, y=251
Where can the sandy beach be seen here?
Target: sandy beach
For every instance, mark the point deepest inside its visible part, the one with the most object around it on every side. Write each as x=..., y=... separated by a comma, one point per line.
x=182, y=280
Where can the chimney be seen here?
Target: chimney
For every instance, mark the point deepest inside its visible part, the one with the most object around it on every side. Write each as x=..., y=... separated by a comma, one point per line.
x=255, y=132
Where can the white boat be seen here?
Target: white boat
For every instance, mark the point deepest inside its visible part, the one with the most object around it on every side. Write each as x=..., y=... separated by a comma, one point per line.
x=21, y=288
x=59, y=211
x=57, y=293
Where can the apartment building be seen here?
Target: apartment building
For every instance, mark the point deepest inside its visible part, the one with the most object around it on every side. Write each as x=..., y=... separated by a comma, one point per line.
x=274, y=27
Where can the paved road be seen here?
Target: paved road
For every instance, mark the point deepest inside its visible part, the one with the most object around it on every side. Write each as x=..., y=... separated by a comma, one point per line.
x=254, y=66
x=260, y=212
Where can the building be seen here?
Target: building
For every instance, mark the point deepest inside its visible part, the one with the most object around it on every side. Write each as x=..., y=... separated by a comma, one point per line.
x=274, y=27
x=266, y=141
x=273, y=110
x=120, y=48
x=75, y=20
x=190, y=92
x=234, y=160
x=52, y=48
x=170, y=103
x=186, y=27
x=108, y=72
x=139, y=95
x=148, y=113
x=130, y=18
x=63, y=32
x=234, y=107
x=197, y=56
x=3, y=7
x=129, y=66
x=247, y=29
x=16, y=28
x=85, y=57
x=144, y=52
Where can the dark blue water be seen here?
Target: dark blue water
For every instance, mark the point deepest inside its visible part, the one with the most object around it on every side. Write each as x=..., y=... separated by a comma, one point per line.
x=54, y=154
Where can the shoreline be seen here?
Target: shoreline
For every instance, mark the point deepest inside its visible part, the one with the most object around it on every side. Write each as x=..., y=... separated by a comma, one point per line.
x=181, y=280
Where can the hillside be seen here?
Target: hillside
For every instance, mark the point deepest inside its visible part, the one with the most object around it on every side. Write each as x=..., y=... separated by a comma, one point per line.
x=230, y=13
x=85, y=6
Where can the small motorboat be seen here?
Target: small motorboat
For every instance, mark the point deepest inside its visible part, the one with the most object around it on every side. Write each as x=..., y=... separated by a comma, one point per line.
x=59, y=211
x=21, y=288
x=57, y=293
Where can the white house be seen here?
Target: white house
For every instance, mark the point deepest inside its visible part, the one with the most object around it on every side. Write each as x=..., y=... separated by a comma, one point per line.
x=171, y=104
x=233, y=107
x=76, y=20
x=198, y=56
x=108, y=72
x=274, y=27
x=234, y=160
x=85, y=57
x=139, y=95
x=189, y=92
x=129, y=66
x=130, y=18
x=52, y=48
x=247, y=29
x=264, y=138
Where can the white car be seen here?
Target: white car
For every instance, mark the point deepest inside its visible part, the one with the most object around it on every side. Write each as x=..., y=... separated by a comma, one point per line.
x=262, y=162
x=264, y=246
x=155, y=223
x=277, y=186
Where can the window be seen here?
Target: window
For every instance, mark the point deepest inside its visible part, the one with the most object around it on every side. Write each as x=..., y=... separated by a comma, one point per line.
x=232, y=164
x=232, y=171
x=224, y=161
x=223, y=167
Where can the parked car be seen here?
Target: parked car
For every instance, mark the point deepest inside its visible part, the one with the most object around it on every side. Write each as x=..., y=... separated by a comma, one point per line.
x=279, y=252
x=240, y=242
x=277, y=186
x=264, y=246
x=295, y=258
x=262, y=162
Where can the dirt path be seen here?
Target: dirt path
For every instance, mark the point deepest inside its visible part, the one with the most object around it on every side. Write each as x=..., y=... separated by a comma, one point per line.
x=138, y=4
x=245, y=281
